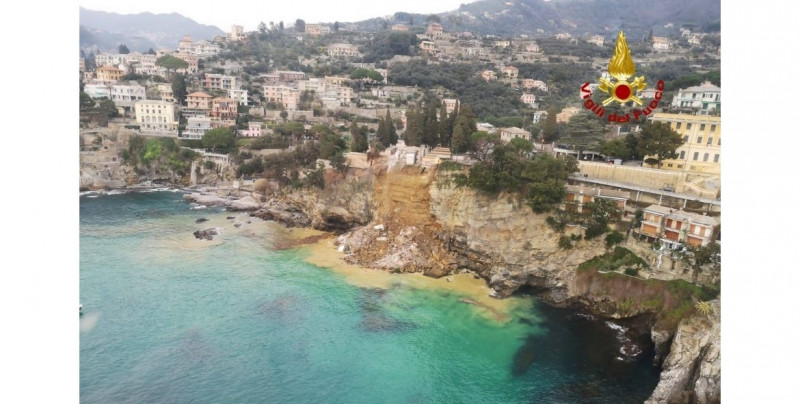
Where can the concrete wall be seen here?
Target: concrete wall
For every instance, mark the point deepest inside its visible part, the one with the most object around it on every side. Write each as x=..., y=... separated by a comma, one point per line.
x=644, y=177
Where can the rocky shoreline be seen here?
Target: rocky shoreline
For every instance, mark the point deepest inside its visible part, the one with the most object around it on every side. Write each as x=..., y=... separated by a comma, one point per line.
x=413, y=226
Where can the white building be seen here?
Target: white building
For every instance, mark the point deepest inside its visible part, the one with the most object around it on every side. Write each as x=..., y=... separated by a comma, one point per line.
x=110, y=59
x=343, y=50
x=506, y=134
x=98, y=90
x=239, y=95
x=236, y=34
x=220, y=82
x=660, y=44
x=529, y=100
x=596, y=39
x=156, y=116
x=706, y=97
x=165, y=91
x=126, y=94
x=196, y=127
x=538, y=116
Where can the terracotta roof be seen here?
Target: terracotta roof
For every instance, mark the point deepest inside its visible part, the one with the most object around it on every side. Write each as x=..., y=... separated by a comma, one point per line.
x=108, y=67
x=199, y=94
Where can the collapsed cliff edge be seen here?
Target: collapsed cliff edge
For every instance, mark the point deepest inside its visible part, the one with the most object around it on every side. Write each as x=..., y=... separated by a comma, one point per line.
x=414, y=223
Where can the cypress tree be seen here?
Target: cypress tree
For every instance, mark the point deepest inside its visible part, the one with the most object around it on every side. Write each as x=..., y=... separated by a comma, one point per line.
x=445, y=130
x=431, y=128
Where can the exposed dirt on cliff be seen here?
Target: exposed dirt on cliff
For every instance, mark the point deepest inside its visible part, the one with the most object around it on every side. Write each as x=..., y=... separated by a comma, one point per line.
x=403, y=235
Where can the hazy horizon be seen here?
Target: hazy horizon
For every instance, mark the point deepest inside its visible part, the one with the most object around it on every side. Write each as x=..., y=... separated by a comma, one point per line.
x=249, y=16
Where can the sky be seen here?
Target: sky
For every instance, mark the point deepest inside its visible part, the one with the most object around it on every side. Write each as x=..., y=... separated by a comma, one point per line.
x=248, y=14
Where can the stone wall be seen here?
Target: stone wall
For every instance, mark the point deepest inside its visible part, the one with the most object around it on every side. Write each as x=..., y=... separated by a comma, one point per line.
x=682, y=182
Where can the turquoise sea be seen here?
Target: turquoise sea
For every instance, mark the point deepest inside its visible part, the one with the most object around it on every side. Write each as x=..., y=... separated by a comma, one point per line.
x=171, y=319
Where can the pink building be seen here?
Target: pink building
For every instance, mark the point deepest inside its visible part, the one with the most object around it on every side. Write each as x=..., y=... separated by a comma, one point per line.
x=198, y=100
x=224, y=109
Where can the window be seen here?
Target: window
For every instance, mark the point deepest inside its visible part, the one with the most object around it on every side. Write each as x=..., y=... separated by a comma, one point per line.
x=710, y=140
x=702, y=127
x=683, y=155
x=686, y=139
x=716, y=158
x=680, y=165
x=688, y=126
x=678, y=125
x=705, y=157
x=696, y=154
x=669, y=165
x=699, y=139
x=719, y=142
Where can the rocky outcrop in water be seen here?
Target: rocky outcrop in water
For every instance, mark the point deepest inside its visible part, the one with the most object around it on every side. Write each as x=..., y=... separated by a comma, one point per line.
x=205, y=234
x=337, y=208
x=691, y=371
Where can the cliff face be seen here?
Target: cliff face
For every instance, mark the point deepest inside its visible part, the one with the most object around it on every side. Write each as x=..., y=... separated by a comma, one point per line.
x=692, y=369
x=420, y=226
x=507, y=244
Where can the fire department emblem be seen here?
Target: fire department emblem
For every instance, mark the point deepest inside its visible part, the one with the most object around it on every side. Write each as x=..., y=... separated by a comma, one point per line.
x=621, y=67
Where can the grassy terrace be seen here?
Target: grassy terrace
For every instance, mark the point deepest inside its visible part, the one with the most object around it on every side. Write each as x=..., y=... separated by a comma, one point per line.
x=671, y=301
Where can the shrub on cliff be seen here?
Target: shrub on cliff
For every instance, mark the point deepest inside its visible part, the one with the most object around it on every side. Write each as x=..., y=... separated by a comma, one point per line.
x=564, y=242
x=613, y=238
x=541, y=180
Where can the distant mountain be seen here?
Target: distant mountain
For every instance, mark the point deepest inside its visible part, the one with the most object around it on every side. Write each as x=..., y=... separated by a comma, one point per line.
x=576, y=17
x=139, y=32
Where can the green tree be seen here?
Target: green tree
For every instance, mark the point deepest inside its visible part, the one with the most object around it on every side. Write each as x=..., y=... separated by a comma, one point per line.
x=300, y=25
x=330, y=145
x=414, y=126
x=615, y=148
x=460, y=142
x=123, y=49
x=359, y=138
x=445, y=128
x=179, y=88
x=658, y=141
x=171, y=63
x=108, y=108
x=284, y=114
x=219, y=139
x=86, y=101
x=430, y=130
x=550, y=128
x=391, y=132
x=150, y=51
x=336, y=26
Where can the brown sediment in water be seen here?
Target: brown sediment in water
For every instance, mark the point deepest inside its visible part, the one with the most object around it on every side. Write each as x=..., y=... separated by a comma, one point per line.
x=474, y=292
x=290, y=242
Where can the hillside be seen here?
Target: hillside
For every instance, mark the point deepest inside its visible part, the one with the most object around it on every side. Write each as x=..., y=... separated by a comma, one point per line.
x=577, y=17
x=104, y=30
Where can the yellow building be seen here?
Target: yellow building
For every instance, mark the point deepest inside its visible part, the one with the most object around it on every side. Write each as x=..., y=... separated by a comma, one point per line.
x=702, y=138
x=109, y=74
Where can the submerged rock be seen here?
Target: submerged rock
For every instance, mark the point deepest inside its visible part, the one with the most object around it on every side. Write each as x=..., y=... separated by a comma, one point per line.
x=205, y=234
x=201, y=220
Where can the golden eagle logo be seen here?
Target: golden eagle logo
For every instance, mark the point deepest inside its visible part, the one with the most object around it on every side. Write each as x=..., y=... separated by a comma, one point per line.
x=621, y=67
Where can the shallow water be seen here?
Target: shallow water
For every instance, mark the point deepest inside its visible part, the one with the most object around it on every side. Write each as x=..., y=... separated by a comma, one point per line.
x=169, y=318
